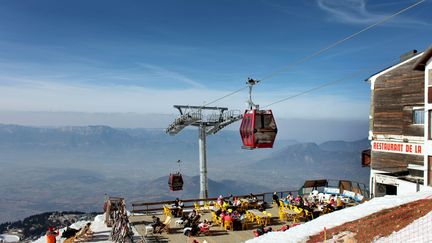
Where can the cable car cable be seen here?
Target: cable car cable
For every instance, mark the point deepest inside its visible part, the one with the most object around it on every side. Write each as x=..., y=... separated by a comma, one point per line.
x=306, y=58
x=349, y=76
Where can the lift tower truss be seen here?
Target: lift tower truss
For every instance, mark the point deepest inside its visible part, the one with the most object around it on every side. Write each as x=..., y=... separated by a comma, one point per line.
x=209, y=120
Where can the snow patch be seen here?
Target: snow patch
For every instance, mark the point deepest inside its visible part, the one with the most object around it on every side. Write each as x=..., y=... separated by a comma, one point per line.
x=302, y=232
x=9, y=238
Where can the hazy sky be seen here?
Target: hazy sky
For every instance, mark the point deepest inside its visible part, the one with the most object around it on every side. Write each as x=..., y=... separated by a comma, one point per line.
x=144, y=56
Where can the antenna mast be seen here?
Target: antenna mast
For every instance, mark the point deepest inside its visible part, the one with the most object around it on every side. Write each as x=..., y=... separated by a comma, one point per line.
x=251, y=83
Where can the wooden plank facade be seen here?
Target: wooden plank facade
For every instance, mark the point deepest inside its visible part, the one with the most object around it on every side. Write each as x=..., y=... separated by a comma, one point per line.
x=400, y=126
x=392, y=162
x=395, y=95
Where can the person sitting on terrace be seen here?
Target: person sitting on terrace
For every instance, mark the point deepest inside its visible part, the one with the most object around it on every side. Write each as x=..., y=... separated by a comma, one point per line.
x=192, y=214
x=189, y=219
x=332, y=201
x=252, y=198
x=156, y=222
x=339, y=203
x=236, y=202
x=231, y=199
x=261, y=230
x=297, y=200
x=218, y=212
x=306, y=202
x=276, y=199
x=290, y=198
x=235, y=215
x=321, y=197
x=204, y=224
x=220, y=200
x=222, y=214
x=177, y=207
x=227, y=217
x=195, y=220
x=225, y=204
x=192, y=219
x=286, y=200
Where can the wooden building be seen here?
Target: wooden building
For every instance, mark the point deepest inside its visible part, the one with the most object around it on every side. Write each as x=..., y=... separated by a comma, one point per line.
x=399, y=157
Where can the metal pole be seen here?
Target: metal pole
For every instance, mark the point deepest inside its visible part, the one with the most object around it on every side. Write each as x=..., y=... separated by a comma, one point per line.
x=203, y=162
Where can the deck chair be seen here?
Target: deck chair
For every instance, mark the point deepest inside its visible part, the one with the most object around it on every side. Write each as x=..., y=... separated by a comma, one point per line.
x=69, y=240
x=268, y=220
x=228, y=225
x=245, y=224
x=207, y=206
x=197, y=207
x=167, y=211
x=165, y=225
x=215, y=219
x=83, y=235
x=282, y=215
x=281, y=204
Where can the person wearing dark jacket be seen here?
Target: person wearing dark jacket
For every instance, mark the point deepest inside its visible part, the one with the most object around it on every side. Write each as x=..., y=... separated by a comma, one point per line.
x=69, y=232
x=156, y=222
x=276, y=199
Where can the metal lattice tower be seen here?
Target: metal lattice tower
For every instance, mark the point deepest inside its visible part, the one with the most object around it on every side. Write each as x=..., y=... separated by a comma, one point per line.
x=207, y=124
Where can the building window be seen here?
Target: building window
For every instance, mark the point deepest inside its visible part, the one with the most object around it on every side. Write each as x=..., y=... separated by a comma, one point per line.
x=430, y=127
x=418, y=116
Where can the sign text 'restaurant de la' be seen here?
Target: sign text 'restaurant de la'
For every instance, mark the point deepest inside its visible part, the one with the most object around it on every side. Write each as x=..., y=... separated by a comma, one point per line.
x=402, y=148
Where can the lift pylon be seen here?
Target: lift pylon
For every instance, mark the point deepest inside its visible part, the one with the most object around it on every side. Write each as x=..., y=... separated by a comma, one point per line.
x=207, y=124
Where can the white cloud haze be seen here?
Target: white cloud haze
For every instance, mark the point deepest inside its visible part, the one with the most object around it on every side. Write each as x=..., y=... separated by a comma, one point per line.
x=31, y=95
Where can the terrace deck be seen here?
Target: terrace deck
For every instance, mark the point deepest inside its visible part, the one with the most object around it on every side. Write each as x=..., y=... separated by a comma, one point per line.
x=218, y=234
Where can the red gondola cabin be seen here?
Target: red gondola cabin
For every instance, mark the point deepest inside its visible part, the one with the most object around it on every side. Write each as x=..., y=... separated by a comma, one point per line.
x=258, y=129
x=175, y=182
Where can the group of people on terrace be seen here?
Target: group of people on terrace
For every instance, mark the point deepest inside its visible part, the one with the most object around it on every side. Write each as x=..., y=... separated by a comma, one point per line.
x=235, y=213
x=316, y=202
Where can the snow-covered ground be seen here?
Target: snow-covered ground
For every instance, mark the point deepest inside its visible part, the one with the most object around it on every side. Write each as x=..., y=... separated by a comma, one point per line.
x=9, y=238
x=302, y=232
x=97, y=226
x=101, y=231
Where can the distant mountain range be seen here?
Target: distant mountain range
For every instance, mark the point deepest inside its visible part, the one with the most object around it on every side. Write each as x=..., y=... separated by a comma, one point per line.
x=299, y=162
x=47, y=169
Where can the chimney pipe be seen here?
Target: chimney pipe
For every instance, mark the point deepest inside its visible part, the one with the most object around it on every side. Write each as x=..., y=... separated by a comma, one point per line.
x=408, y=55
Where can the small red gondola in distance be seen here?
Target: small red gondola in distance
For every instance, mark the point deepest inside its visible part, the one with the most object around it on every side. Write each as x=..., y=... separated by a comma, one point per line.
x=175, y=180
x=258, y=128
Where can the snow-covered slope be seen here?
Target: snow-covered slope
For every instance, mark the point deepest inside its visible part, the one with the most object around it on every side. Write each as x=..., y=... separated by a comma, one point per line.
x=9, y=238
x=97, y=226
x=100, y=230
x=302, y=232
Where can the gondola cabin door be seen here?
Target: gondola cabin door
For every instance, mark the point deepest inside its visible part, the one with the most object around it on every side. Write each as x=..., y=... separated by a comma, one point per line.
x=258, y=129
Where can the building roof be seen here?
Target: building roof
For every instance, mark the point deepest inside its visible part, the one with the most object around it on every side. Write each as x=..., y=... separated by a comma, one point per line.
x=421, y=63
x=405, y=59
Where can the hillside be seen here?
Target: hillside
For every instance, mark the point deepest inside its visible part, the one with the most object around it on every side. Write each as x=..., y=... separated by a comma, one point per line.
x=34, y=226
x=50, y=168
x=332, y=160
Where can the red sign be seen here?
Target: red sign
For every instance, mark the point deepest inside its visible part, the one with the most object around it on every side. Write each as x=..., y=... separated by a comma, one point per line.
x=401, y=148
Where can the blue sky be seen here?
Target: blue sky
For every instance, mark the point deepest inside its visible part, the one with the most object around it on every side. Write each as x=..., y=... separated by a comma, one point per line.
x=144, y=56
